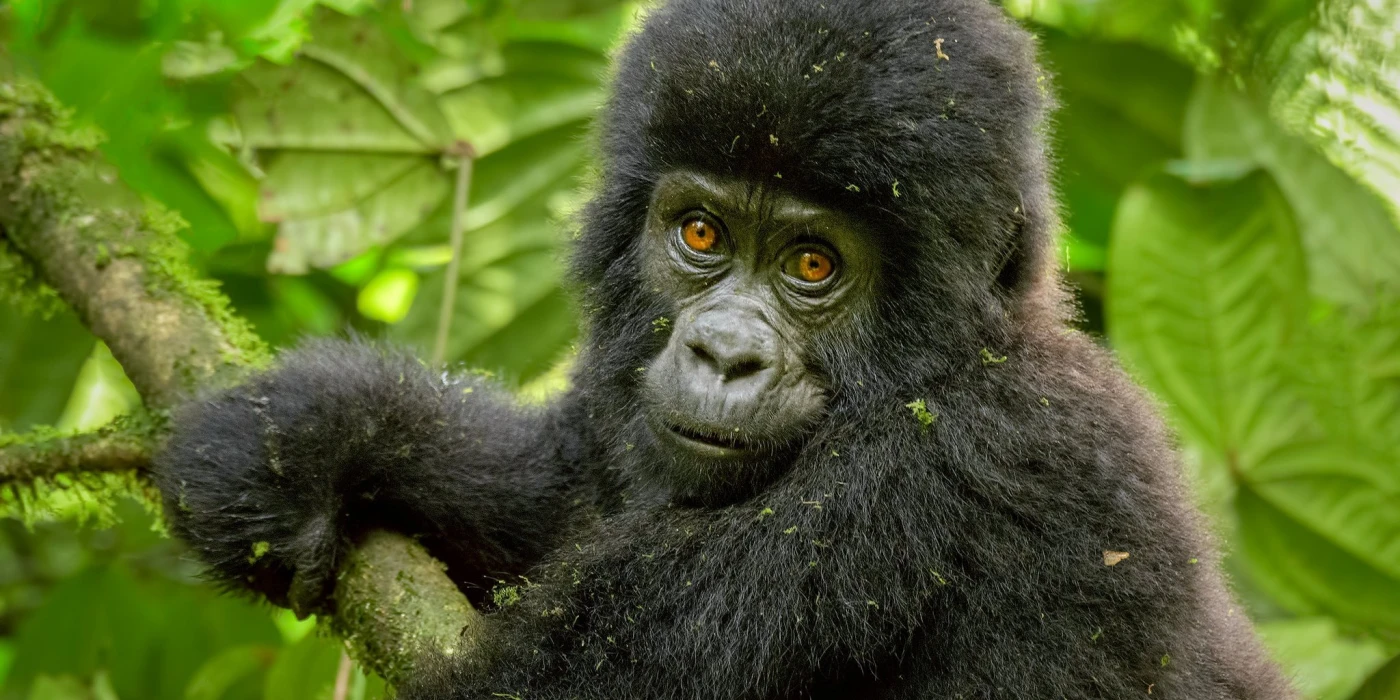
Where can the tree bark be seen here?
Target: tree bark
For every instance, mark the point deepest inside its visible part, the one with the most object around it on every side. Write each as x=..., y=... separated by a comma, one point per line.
x=124, y=269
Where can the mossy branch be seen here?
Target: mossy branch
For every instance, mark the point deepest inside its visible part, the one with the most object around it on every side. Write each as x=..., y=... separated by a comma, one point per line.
x=121, y=266
x=43, y=455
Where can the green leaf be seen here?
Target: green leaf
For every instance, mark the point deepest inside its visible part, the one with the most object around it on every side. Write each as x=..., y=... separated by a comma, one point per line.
x=1323, y=663
x=389, y=295
x=1384, y=684
x=1350, y=239
x=1336, y=87
x=39, y=362
x=304, y=671
x=1120, y=118
x=1204, y=295
x=226, y=675
x=510, y=315
x=509, y=177
x=492, y=113
x=309, y=105
x=363, y=51
x=101, y=392
x=326, y=223
x=1308, y=573
x=532, y=342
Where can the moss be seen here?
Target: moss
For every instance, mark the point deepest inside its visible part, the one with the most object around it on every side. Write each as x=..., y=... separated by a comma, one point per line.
x=20, y=286
x=925, y=417
x=54, y=475
x=505, y=596
x=990, y=359
x=167, y=259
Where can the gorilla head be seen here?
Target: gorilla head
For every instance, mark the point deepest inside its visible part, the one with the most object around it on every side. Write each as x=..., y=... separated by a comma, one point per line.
x=779, y=213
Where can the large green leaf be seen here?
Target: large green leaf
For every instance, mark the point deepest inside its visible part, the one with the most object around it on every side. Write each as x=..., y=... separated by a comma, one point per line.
x=1339, y=87
x=333, y=206
x=1384, y=684
x=1207, y=304
x=309, y=105
x=1352, y=244
x=378, y=60
x=1205, y=294
x=1307, y=571
x=1324, y=663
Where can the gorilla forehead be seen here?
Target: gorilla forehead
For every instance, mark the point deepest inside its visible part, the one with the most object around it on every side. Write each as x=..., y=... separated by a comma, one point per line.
x=840, y=102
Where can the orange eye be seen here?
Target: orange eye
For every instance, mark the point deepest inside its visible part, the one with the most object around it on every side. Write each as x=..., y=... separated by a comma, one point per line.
x=814, y=267
x=699, y=235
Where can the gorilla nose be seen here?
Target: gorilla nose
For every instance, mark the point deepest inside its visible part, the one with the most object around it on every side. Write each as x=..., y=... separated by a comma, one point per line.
x=733, y=346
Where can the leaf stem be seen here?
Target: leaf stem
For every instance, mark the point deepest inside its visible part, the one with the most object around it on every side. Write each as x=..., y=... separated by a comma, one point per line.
x=465, y=158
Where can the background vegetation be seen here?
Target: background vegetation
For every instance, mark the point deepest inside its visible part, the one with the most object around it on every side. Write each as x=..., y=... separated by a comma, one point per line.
x=1231, y=178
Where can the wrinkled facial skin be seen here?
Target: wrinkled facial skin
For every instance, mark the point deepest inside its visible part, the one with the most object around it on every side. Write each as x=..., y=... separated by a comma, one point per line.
x=754, y=276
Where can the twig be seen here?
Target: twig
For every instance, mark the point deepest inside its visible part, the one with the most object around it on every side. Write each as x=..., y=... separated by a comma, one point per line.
x=466, y=156
x=342, y=678
x=44, y=455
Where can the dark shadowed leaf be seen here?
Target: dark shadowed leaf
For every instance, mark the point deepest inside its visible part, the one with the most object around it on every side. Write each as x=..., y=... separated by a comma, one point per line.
x=39, y=360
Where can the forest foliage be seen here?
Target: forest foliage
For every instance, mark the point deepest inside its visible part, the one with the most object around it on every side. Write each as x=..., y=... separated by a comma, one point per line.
x=1230, y=174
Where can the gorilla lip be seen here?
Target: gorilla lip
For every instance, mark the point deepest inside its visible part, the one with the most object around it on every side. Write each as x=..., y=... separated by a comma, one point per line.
x=709, y=443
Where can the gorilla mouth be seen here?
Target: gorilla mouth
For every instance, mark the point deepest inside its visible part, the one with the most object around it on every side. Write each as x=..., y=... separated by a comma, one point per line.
x=716, y=443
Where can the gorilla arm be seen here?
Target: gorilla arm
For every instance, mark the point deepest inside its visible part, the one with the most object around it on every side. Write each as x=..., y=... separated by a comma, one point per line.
x=271, y=481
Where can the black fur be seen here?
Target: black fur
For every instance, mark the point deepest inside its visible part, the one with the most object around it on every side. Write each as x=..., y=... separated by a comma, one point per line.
x=889, y=559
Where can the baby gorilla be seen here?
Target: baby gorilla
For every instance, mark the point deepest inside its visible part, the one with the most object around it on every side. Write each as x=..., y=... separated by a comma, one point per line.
x=829, y=435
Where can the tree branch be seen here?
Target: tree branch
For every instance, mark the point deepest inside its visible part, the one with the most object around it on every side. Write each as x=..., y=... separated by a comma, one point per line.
x=123, y=268
x=43, y=454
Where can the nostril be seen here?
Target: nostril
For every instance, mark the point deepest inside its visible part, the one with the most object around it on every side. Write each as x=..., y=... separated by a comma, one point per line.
x=704, y=355
x=743, y=368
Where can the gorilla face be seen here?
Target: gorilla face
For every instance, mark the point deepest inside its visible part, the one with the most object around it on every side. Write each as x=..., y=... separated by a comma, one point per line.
x=754, y=275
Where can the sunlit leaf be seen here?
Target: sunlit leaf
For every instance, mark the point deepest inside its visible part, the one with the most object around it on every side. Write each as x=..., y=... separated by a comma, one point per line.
x=1309, y=573
x=1324, y=663
x=1384, y=684
x=1205, y=285
x=1353, y=246
x=1337, y=88
x=389, y=295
